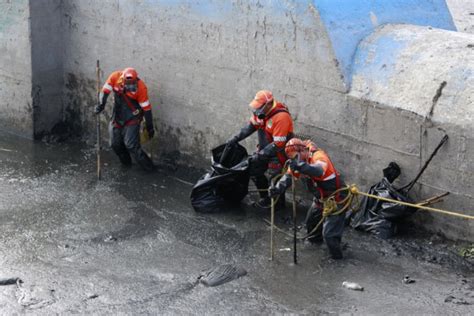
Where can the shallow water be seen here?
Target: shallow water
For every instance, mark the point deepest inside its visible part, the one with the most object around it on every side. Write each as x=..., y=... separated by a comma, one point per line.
x=132, y=244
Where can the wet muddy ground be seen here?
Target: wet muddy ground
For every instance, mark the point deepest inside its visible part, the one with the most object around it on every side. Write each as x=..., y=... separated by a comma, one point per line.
x=132, y=244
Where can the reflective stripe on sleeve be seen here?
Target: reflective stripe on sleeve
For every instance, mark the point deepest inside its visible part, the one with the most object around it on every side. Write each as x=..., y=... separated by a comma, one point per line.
x=331, y=176
x=145, y=104
x=279, y=138
x=107, y=87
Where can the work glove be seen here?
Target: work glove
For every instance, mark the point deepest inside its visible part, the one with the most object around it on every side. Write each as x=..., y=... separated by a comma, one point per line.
x=232, y=142
x=258, y=157
x=296, y=165
x=151, y=132
x=99, y=108
x=274, y=191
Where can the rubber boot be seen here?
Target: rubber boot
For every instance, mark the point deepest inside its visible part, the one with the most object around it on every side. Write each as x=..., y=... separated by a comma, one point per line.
x=334, y=246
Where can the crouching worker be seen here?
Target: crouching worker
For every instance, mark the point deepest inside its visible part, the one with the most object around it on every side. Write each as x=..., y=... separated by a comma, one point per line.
x=312, y=165
x=131, y=104
x=275, y=127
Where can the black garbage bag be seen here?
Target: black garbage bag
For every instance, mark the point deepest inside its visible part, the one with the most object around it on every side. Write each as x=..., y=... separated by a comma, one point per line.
x=226, y=184
x=379, y=217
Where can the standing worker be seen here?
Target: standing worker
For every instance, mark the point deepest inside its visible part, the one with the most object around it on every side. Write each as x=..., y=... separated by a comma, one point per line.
x=274, y=124
x=315, y=168
x=131, y=104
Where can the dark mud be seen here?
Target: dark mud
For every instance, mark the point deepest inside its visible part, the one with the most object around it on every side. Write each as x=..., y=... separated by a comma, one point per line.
x=132, y=244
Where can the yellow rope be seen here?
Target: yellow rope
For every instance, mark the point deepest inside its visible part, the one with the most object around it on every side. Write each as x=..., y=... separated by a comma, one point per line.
x=355, y=190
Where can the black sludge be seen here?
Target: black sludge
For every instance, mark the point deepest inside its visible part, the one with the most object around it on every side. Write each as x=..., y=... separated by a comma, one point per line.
x=221, y=274
x=227, y=183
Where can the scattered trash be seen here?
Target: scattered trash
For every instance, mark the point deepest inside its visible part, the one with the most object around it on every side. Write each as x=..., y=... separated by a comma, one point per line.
x=467, y=252
x=221, y=274
x=10, y=281
x=110, y=238
x=352, y=286
x=408, y=280
x=285, y=249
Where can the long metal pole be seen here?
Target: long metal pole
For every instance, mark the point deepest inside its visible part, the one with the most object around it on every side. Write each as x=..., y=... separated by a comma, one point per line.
x=99, y=174
x=410, y=185
x=272, y=225
x=293, y=180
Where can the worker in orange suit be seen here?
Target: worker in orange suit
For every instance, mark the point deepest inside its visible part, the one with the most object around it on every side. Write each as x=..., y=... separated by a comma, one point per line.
x=274, y=125
x=313, y=166
x=131, y=105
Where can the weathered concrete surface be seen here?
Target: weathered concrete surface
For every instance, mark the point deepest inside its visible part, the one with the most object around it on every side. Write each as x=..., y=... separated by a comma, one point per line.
x=463, y=14
x=112, y=248
x=16, y=105
x=427, y=76
x=47, y=68
x=203, y=64
x=349, y=22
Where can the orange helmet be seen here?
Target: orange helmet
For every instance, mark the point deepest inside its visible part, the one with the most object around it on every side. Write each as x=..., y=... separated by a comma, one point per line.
x=261, y=98
x=294, y=146
x=130, y=74
x=130, y=78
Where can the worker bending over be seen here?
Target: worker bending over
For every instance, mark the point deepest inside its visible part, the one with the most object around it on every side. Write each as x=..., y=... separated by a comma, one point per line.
x=273, y=122
x=313, y=166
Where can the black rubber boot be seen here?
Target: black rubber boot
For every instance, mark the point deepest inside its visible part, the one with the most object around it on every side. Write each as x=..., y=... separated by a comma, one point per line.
x=313, y=217
x=334, y=246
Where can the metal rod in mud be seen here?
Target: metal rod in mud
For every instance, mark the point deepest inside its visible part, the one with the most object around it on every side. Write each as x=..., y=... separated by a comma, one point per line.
x=98, y=123
x=272, y=227
x=295, y=259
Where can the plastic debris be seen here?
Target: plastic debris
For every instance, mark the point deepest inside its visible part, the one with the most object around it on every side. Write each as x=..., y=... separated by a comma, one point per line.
x=9, y=281
x=221, y=274
x=408, y=280
x=352, y=286
x=110, y=238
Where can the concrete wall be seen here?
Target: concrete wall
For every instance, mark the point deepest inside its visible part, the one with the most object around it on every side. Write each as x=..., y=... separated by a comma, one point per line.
x=16, y=106
x=463, y=14
x=47, y=62
x=203, y=64
x=348, y=22
x=428, y=74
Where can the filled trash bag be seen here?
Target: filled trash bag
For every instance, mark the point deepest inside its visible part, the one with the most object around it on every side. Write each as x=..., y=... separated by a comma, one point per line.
x=379, y=217
x=227, y=182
